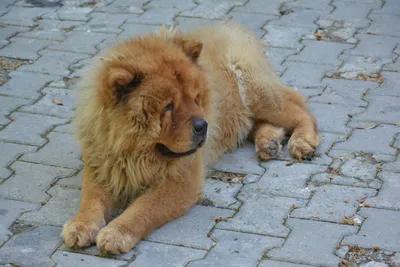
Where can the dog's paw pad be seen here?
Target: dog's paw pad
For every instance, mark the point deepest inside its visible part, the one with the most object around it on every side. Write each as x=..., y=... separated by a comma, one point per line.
x=267, y=150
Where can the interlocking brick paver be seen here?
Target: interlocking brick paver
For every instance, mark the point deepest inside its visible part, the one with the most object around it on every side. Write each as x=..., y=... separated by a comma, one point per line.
x=360, y=166
x=7, y=105
x=123, y=6
x=345, y=92
x=50, y=29
x=267, y=219
x=269, y=263
x=253, y=21
x=65, y=128
x=332, y=203
x=237, y=249
x=40, y=179
x=151, y=254
x=322, y=5
x=388, y=197
x=319, y=52
x=72, y=182
x=280, y=36
x=392, y=166
x=187, y=23
x=9, y=152
x=337, y=31
x=212, y=9
x=67, y=259
x=26, y=85
x=94, y=251
x=8, y=31
x=62, y=150
x=375, y=140
x=327, y=178
x=23, y=48
x=278, y=55
x=333, y=118
x=354, y=66
x=103, y=22
x=372, y=234
x=390, y=85
x=70, y=13
x=28, y=128
x=304, y=74
x=243, y=160
x=32, y=248
x=289, y=181
x=312, y=242
x=156, y=16
x=24, y=16
x=299, y=17
x=63, y=205
x=191, y=229
x=221, y=194
x=55, y=102
x=55, y=62
x=389, y=7
x=374, y=46
x=259, y=6
x=10, y=210
x=350, y=11
x=380, y=22
x=381, y=109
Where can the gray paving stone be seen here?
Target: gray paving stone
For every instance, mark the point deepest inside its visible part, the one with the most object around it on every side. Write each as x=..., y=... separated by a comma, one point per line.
x=243, y=160
x=304, y=74
x=156, y=16
x=187, y=23
x=333, y=202
x=9, y=152
x=94, y=251
x=123, y=6
x=392, y=166
x=390, y=85
x=151, y=254
x=81, y=42
x=345, y=92
x=288, y=181
x=360, y=166
x=379, y=229
x=354, y=66
x=178, y=5
x=32, y=248
x=24, y=16
x=259, y=6
x=310, y=92
x=135, y=30
x=104, y=22
x=72, y=182
x=237, y=249
x=326, y=178
x=10, y=210
x=221, y=194
x=337, y=31
x=7, y=105
x=312, y=242
x=67, y=259
x=302, y=18
x=319, y=52
x=28, y=128
x=191, y=229
x=54, y=62
x=381, y=109
x=46, y=105
x=374, y=46
x=380, y=22
x=8, y=31
x=348, y=11
x=267, y=219
x=278, y=55
x=23, y=48
x=388, y=197
x=63, y=205
x=253, y=21
x=322, y=5
x=62, y=150
x=213, y=9
x=393, y=66
x=70, y=13
x=286, y=37
x=333, y=118
x=40, y=178
x=65, y=128
x=26, y=85
x=269, y=263
x=374, y=141
x=389, y=7
x=50, y=29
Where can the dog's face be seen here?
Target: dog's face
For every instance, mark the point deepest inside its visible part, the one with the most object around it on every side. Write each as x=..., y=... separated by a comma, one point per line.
x=155, y=90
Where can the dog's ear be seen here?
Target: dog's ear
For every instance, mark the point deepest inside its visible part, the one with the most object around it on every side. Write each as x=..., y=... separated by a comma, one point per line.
x=192, y=48
x=119, y=84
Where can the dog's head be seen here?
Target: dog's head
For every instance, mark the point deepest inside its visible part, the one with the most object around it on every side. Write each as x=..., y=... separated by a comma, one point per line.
x=153, y=89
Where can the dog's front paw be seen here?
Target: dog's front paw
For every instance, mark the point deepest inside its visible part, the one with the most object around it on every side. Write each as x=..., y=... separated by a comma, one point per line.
x=112, y=239
x=79, y=233
x=268, y=149
x=303, y=146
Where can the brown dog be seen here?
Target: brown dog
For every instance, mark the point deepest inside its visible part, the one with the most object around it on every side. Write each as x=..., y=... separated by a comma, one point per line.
x=145, y=112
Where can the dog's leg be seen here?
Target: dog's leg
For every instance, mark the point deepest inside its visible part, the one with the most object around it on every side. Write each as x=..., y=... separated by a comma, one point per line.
x=267, y=139
x=151, y=210
x=81, y=230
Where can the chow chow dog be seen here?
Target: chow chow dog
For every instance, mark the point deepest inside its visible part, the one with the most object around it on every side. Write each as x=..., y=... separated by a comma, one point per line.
x=153, y=111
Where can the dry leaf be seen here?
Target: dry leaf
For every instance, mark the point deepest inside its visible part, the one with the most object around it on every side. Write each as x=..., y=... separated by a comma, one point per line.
x=57, y=102
x=366, y=127
x=346, y=200
x=43, y=203
x=398, y=124
x=289, y=164
x=286, y=12
x=350, y=116
x=319, y=36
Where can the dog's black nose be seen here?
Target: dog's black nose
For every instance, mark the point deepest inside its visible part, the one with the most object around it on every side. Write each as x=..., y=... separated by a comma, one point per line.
x=200, y=127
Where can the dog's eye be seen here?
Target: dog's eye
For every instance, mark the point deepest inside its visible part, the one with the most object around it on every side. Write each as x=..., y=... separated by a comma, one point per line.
x=168, y=107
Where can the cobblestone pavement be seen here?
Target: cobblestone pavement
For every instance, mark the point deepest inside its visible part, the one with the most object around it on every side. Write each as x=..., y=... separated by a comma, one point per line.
x=342, y=55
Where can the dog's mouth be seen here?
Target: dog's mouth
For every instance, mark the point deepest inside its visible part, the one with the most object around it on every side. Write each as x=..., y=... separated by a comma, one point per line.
x=165, y=151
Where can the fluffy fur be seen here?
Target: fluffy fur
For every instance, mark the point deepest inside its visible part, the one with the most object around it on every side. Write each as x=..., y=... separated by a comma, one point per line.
x=146, y=93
